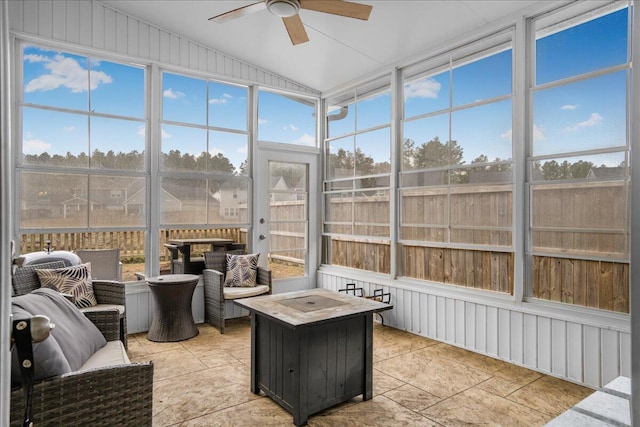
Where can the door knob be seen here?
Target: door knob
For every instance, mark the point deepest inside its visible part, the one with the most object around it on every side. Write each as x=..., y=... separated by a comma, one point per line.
x=262, y=237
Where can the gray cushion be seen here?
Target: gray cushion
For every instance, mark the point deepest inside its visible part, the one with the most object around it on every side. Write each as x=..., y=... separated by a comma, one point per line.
x=48, y=356
x=77, y=336
x=245, y=292
x=111, y=354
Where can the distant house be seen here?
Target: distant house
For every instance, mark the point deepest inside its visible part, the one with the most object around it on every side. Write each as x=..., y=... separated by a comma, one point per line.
x=607, y=172
x=233, y=198
x=135, y=204
x=78, y=204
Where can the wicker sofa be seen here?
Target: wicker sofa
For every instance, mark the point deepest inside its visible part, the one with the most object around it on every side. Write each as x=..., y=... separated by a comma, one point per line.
x=109, y=294
x=105, y=390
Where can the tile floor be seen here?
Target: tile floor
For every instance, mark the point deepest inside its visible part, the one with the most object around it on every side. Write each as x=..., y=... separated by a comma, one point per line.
x=204, y=381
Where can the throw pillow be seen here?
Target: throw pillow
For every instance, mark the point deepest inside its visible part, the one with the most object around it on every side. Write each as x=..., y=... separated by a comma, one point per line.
x=74, y=280
x=78, y=338
x=241, y=270
x=48, y=356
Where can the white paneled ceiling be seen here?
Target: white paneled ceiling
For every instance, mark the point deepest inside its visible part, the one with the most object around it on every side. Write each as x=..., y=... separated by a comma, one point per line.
x=339, y=49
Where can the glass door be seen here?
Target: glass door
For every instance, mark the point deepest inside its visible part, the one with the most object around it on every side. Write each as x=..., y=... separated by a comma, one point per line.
x=287, y=217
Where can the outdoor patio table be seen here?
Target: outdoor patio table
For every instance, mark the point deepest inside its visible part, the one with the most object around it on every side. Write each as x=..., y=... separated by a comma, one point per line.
x=172, y=316
x=312, y=349
x=195, y=266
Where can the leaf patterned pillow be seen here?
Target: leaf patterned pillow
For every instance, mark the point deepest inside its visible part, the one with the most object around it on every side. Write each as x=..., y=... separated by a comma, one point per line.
x=74, y=280
x=241, y=270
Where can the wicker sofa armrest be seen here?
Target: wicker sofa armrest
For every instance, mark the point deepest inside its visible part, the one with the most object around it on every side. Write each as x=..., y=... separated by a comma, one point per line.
x=108, y=321
x=118, y=395
x=109, y=292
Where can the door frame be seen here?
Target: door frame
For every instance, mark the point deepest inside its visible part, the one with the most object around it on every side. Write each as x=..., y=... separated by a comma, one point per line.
x=266, y=153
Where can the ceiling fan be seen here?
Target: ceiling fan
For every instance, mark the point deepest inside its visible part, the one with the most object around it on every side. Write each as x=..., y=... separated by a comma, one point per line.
x=288, y=11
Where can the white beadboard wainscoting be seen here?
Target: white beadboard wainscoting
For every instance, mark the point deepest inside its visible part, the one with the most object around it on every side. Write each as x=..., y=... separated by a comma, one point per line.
x=140, y=306
x=572, y=344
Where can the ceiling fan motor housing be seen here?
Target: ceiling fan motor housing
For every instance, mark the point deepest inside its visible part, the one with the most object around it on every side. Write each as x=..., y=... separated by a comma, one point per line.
x=283, y=8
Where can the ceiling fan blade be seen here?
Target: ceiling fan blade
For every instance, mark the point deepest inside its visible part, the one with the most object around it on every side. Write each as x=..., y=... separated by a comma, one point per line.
x=239, y=12
x=338, y=7
x=296, y=30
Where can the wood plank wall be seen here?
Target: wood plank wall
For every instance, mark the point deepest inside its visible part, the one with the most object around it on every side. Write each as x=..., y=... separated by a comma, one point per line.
x=91, y=24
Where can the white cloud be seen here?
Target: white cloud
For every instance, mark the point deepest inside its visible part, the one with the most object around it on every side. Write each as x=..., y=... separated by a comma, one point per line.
x=35, y=146
x=222, y=100
x=65, y=72
x=262, y=121
x=166, y=135
x=69, y=128
x=172, y=94
x=569, y=107
x=306, y=139
x=291, y=127
x=538, y=134
x=34, y=58
x=594, y=120
x=243, y=149
x=141, y=131
x=425, y=88
x=215, y=151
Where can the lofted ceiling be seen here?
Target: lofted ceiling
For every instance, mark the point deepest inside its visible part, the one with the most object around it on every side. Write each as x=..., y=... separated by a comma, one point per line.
x=339, y=49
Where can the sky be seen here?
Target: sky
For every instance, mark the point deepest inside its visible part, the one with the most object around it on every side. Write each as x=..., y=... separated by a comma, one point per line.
x=70, y=82
x=584, y=115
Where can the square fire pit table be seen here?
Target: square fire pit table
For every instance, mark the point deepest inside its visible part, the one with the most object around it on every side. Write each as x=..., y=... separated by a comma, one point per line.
x=312, y=349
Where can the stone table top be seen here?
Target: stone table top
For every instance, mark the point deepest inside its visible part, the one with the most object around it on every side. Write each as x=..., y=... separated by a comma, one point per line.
x=173, y=279
x=311, y=306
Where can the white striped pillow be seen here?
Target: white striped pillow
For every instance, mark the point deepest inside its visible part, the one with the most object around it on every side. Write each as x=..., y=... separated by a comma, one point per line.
x=74, y=280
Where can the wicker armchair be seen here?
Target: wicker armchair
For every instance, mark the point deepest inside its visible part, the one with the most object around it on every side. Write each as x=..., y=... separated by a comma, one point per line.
x=109, y=294
x=105, y=263
x=116, y=395
x=216, y=295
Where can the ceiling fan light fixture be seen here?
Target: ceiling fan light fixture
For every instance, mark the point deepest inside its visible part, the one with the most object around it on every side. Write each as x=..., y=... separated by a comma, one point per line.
x=283, y=8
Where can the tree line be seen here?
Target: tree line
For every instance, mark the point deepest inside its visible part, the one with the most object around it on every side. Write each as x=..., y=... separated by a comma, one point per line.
x=436, y=154
x=135, y=160
x=431, y=154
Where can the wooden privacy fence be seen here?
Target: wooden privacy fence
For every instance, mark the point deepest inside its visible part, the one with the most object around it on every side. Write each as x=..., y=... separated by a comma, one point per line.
x=131, y=243
x=470, y=268
x=588, y=283
x=598, y=284
x=585, y=218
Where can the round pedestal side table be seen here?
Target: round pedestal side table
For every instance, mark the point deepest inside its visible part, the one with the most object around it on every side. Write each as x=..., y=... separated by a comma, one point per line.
x=172, y=316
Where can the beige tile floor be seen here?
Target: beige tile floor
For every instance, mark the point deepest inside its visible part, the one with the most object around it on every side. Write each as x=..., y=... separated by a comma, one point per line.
x=204, y=381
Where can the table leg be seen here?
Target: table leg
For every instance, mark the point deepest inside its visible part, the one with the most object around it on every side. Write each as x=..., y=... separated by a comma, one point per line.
x=254, y=356
x=368, y=357
x=185, y=249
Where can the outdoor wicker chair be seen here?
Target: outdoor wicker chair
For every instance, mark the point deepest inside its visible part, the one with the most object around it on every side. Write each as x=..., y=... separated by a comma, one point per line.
x=110, y=395
x=217, y=296
x=109, y=294
x=105, y=263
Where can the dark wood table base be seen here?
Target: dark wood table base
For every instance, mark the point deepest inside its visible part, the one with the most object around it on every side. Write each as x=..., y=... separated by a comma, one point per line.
x=172, y=317
x=311, y=350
